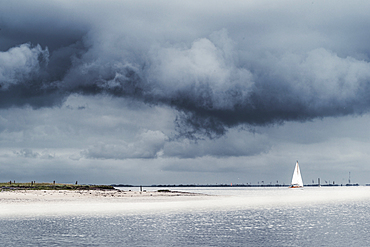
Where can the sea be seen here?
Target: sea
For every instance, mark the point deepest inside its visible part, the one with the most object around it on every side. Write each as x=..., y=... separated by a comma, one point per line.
x=313, y=216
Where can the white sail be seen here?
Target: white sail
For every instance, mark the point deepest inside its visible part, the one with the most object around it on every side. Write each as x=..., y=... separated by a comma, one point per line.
x=297, y=178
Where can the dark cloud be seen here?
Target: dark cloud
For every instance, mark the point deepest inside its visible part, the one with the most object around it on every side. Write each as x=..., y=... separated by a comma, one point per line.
x=46, y=23
x=249, y=70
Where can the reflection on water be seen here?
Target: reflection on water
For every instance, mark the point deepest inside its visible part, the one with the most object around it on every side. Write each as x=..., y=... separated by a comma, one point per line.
x=334, y=221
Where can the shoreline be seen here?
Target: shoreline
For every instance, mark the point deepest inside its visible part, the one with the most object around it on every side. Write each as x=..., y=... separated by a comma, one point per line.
x=102, y=203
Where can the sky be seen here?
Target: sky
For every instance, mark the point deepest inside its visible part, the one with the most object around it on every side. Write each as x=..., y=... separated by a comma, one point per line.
x=184, y=92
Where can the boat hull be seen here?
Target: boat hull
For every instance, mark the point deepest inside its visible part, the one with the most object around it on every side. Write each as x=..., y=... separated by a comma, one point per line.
x=295, y=186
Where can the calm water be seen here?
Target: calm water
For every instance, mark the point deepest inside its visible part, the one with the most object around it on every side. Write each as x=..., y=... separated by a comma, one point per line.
x=260, y=217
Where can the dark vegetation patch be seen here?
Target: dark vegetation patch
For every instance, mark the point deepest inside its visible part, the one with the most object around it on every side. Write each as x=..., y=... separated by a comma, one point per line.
x=164, y=191
x=52, y=186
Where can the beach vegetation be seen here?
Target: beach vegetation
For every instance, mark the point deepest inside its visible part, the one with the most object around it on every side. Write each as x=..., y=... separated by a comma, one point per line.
x=52, y=186
x=164, y=190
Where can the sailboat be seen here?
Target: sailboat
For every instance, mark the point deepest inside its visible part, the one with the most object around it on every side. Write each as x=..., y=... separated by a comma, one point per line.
x=297, y=178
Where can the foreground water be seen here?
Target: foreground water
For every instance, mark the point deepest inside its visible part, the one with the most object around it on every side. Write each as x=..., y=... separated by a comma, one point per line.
x=237, y=217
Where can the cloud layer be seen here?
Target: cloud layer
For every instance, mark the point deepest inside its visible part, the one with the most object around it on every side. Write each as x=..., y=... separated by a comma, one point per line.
x=248, y=69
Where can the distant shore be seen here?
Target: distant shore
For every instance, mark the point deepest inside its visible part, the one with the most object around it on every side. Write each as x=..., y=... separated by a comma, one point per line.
x=61, y=186
x=229, y=185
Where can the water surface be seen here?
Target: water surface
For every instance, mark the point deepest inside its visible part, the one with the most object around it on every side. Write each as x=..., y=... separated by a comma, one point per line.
x=238, y=217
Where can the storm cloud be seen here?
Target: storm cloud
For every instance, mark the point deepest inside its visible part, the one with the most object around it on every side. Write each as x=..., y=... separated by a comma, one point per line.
x=218, y=66
x=184, y=92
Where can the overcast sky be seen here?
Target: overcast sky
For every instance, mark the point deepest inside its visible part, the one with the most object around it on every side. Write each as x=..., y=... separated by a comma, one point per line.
x=179, y=92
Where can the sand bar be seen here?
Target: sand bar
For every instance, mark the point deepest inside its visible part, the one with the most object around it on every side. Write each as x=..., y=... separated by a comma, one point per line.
x=75, y=195
x=30, y=203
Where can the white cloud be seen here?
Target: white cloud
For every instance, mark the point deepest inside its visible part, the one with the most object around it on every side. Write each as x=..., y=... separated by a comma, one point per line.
x=20, y=63
x=29, y=153
x=321, y=76
x=207, y=70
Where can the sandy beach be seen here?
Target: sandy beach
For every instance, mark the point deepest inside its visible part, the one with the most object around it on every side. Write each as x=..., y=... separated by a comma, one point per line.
x=13, y=196
x=29, y=203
